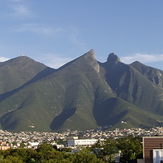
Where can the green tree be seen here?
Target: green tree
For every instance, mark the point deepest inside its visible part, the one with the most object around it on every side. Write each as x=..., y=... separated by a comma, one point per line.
x=110, y=150
x=44, y=147
x=22, y=145
x=130, y=147
x=13, y=159
x=46, y=152
x=85, y=156
x=106, y=150
x=22, y=154
x=66, y=149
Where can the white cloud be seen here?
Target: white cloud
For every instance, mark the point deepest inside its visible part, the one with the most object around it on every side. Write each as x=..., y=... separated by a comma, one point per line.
x=2, y=59
x=38, y=28
x=54, y=61
x=20, y=10
x=144, y=58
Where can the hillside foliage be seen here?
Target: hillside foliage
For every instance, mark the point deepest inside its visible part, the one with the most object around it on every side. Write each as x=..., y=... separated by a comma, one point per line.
x=83, y=94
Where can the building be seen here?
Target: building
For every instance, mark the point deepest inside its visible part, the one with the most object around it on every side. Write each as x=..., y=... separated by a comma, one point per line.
x=81, y=142
x=153, y=149
x=4, y=146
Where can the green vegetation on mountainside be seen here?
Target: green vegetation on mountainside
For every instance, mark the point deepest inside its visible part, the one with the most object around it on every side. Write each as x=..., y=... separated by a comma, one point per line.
x=82, y=94
x=16, y=72
x=132, y=86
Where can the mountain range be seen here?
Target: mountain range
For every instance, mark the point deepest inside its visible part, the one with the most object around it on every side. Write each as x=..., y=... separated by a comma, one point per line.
x=82, y=94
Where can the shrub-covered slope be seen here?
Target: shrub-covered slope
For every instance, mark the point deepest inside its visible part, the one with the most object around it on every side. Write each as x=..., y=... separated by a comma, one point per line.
x=82, y=94
x=18, y=71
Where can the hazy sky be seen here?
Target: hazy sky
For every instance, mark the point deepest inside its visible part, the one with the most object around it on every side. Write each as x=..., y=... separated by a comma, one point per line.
x=57, y=31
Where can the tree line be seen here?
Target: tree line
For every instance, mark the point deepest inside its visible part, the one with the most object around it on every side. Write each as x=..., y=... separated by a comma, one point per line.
x=129, y=148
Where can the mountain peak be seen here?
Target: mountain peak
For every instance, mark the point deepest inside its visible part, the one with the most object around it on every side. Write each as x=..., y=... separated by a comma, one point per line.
x=90, y=59
x=21, y=57
x=113, y=59
x=90, y=53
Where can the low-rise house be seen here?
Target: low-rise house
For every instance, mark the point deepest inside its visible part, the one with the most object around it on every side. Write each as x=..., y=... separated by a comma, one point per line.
x=4, y=146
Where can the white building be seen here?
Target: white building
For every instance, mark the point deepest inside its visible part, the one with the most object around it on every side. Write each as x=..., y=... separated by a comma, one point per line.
x=157, y=155
x=33, y=144
x=81, y=142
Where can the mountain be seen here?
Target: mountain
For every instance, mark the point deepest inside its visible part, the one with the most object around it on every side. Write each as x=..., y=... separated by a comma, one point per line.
x=82, y=94
x=18, y=71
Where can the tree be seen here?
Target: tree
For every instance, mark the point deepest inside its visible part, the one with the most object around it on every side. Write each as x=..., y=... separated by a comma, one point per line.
x=131, y=148
x=85, y=156
x=66, y=149
x=106, y=150
x=44, y=147
x=47, y=154
x=12, y=159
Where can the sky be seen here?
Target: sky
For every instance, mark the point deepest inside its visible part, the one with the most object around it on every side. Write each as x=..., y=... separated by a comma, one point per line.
x=55, y=32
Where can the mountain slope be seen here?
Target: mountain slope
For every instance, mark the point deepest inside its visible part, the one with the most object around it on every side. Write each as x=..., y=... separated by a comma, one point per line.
x=18, y=71
x=133, y=86
x=68, y=95
x=82, y=94
x=153, y=74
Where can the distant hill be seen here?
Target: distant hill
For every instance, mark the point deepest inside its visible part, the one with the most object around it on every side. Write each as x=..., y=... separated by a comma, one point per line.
x=82, y=94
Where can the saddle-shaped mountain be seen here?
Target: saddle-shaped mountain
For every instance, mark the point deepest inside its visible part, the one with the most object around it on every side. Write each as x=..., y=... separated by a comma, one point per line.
x=82, y=94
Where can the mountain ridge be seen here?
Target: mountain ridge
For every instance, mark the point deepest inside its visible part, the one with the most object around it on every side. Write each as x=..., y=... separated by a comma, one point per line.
x=82, y=94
